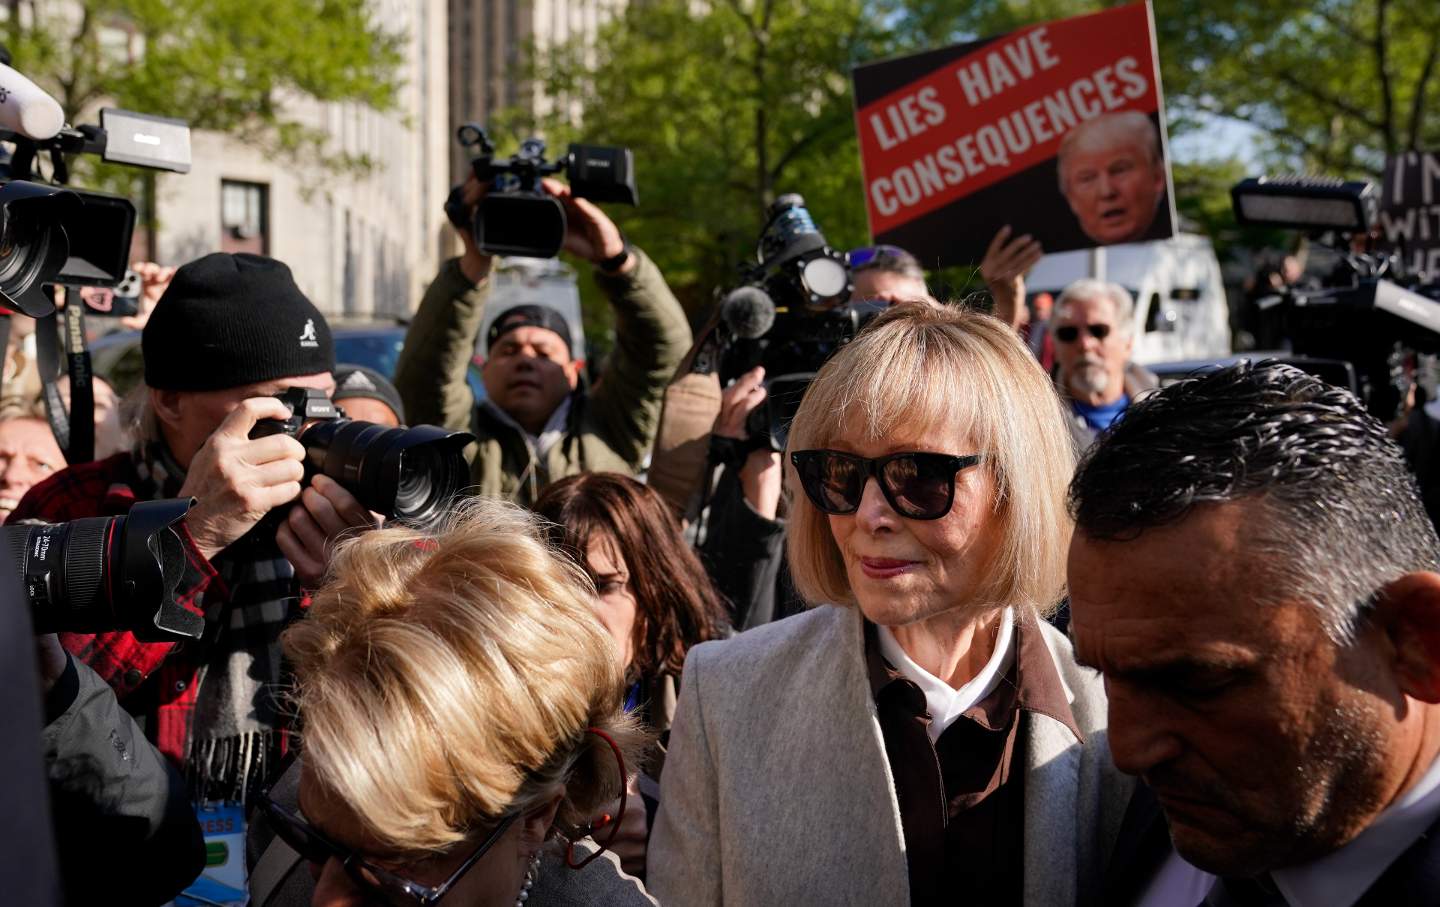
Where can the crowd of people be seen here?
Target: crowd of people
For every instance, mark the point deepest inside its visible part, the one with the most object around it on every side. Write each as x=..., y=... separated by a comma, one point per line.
x=1005, y=622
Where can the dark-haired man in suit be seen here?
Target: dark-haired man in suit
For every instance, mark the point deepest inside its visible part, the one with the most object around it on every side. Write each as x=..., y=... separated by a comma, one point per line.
x=1255, y=575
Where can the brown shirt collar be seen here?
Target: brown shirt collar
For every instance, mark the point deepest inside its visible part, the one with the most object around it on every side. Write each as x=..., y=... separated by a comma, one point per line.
x=1032, y=684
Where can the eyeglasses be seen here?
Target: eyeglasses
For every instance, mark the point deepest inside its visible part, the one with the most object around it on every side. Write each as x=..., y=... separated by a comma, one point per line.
x=868, y=256
x=1070, y=333
x=390, y=888
x=919, y=486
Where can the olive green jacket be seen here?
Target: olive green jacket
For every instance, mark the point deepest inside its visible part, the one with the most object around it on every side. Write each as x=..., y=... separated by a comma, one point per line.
x=609, y=428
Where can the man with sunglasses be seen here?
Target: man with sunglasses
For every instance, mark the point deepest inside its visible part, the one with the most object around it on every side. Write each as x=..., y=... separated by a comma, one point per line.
x=1093, y=331
x=886, y=274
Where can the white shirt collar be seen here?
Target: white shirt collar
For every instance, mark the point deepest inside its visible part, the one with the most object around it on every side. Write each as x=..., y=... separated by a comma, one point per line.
x=944, y=702
x=1339, y=879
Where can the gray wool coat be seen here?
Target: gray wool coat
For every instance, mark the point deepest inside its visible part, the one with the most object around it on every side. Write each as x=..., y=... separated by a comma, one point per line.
x=777, y=789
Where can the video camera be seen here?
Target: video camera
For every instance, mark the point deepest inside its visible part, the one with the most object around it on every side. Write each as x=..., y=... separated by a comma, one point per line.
x=53, y=235
x=1363, y=325
x=410, y=474
x=789, y=315
x=107, y=573
x=518, y=217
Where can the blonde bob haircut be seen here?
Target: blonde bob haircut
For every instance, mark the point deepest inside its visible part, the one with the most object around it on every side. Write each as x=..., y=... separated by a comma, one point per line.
x=927, y=367
x=447, y=679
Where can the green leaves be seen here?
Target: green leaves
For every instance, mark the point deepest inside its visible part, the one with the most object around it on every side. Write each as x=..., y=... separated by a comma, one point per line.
x=228, y=65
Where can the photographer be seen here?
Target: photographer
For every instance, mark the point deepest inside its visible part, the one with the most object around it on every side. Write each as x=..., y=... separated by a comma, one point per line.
x=230, y=332
x=538, y=422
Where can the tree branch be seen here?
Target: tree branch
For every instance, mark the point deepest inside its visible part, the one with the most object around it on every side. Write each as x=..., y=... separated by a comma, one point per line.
x=1321, y=97
x=1387, y=91
x=1417, y=103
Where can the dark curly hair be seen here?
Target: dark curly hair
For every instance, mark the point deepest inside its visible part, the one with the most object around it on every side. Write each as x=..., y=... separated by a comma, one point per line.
x=1341, y=512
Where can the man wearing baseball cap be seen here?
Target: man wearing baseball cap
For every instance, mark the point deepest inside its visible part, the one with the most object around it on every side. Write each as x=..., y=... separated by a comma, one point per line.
x=229, y=333
x=539, y=422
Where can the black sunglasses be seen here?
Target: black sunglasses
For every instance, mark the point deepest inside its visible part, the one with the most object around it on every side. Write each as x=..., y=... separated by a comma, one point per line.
x=919, y=486
x=315, y=847
x=1070, y=333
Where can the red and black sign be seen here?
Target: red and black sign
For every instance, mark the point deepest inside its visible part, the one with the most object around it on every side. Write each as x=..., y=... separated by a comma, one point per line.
x=1056, y=130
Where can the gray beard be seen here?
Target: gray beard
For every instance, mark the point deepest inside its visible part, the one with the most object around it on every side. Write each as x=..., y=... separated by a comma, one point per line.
x=1090, y=379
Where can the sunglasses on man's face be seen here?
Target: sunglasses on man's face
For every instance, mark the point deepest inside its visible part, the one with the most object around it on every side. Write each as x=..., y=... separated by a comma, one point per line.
x=1070, y=333
x=918, y=486
x=376, y=881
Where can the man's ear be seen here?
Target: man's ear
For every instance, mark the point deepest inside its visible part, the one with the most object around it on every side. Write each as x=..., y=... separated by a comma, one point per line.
x=573, y=371
x=1408, y=610
x=166, y=405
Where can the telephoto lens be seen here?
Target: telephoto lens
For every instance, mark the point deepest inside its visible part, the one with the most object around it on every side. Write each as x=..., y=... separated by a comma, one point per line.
x=408, y=474
x=104, y=574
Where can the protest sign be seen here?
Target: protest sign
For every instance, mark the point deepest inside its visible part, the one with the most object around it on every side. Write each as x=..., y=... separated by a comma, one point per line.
x=1057, y=129
x=1410, y=212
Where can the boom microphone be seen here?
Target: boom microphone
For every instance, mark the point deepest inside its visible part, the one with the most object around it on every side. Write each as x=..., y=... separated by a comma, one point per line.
x=25, y=108
x=748, y=312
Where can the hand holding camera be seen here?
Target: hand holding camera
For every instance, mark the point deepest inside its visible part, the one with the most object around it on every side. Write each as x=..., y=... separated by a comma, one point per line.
x=325, y=513
x=760, y=476
x=237, y=480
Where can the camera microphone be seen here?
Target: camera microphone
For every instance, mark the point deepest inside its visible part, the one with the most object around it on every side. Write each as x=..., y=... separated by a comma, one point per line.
x=748, y=312
x=26, y=109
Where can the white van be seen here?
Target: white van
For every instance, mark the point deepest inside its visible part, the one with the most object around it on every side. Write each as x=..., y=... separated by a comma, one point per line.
x=1180, y=307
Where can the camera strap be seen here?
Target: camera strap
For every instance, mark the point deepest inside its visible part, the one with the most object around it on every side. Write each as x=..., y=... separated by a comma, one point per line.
x=74, y=434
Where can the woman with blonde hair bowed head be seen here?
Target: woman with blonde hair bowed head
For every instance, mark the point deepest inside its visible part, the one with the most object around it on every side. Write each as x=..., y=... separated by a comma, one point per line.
x=462, y=721
x=920, y=735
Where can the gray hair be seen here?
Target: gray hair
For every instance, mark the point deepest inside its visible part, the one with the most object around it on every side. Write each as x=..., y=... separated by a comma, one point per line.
x=1340, y=513
x=1129, y=126
x=1087, y=288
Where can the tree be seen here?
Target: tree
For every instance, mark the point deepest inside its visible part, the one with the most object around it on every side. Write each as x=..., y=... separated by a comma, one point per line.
x=227, y=65
x=727, y=104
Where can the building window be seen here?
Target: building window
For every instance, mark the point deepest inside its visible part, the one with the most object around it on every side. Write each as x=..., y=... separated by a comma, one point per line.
x=244, y=217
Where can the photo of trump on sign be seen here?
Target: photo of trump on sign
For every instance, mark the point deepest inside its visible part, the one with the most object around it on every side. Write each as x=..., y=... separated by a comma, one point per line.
x=1055, y=131
x=1112, y=174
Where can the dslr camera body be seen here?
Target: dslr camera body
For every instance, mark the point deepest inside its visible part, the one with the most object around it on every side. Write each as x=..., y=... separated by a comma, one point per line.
x=408, y=474
x=518, y=217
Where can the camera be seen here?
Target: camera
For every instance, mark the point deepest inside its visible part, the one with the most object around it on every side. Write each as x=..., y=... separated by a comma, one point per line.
x=518, y=217
x=107, y=573
x=1363, y=329
x=409, y=474
x=789, y=315
x=53, y=235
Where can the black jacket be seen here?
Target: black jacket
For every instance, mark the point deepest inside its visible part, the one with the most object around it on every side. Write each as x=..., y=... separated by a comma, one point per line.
x=125, y=832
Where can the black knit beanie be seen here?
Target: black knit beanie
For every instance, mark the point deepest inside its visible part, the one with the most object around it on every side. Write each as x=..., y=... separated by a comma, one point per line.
x=230, y=320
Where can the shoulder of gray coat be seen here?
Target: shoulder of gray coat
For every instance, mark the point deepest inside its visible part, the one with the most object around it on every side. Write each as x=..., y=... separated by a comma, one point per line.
x=1084, y=687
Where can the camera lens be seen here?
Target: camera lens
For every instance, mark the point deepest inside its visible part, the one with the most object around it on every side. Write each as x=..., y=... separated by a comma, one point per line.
x=407, y=474
x=416, y=486
x=101, y=574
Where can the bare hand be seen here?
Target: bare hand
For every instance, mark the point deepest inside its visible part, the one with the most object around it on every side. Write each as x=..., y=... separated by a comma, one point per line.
x=155, y=279
x=761, y=476
x=325, y=513
x=589, y=232
x=630, y=841
x=1004, y=267
x=473, y=262
x=737, y=402
x=236, y=481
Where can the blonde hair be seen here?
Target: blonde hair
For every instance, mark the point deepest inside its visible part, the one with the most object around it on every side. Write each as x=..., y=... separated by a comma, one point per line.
x=932, y=366
x=447, y=679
